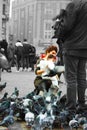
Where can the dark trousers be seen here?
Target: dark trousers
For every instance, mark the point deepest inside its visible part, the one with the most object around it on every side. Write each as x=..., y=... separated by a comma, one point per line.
x=19, y=60
x=75, y=73
x=26, y=62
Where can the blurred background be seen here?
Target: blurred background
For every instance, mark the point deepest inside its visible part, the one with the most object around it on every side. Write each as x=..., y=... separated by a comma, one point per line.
x=29, y=19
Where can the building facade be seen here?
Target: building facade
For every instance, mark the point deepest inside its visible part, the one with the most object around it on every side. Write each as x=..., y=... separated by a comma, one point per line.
x=1, y=20
x=32, y=19
x=4, y=19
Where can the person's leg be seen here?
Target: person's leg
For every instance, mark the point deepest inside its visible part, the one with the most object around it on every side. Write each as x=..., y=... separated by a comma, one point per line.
x=10, y=65
x=71, y=64
x=9, y=69
x=0, y=74
x=18, y=62
x=41, y=88
x=81, y=78
x=23, y=62
x=27, y=62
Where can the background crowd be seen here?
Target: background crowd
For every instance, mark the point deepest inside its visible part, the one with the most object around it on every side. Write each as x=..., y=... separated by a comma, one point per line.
x=22, y=54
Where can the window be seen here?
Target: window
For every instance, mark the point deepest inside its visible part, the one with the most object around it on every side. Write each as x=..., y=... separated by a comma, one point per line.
x=47, y=29
x=15, y=15
x=48, y=35
x=48, y=26
x=22, y=11
x=31, y=10
x=48, y=11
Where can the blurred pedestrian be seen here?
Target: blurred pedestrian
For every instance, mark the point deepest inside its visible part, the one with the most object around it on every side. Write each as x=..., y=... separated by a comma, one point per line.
x=4, y=45
x=32, y=56
x=4, y=64
x=26, y=49
x=19, y=54
x=10, y=55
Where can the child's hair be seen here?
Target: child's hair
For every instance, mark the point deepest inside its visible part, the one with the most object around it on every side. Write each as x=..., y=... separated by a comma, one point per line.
x=51, y=48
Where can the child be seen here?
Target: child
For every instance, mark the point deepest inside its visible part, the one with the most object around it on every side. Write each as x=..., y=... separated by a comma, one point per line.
x=48, y=65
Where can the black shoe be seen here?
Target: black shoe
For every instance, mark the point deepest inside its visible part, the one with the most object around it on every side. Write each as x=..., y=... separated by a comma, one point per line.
x=9, y=71
x=81, y=108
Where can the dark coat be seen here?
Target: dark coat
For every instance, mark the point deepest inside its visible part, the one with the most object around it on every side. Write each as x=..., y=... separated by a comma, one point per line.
x=73, y=26
x=4, y=44
x=10, y=51
x=26, y=49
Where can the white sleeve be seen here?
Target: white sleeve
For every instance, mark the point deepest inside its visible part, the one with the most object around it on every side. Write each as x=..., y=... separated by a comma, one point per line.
x=41, y=64
x=51, y=65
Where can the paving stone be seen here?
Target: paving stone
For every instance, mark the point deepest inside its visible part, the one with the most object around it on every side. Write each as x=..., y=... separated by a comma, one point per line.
x=3, y=128
x=15, y=126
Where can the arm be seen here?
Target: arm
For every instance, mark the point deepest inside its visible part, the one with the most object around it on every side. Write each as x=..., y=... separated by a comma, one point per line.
x=66, y=21
x=38, y=71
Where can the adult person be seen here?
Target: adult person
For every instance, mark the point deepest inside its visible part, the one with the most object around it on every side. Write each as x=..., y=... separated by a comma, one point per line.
x=4, y=64
x=26, y=51
x=32, y=56
x=10, y=55
x=4, y=45
x=3, y=48
x=19, y=54
x=41, y=84
x=73, y=32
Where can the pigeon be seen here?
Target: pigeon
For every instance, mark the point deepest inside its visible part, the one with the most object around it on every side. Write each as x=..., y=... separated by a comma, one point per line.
x=73, y=124
x=2, y=86
x=30, y=95
x=61, y=103
x=59, y=94
x=15, y=94
x=77, y=116
x=41, y=117
x=82, y=120
x=85, y=126
x=48, y=99
x=4, y=105
x=63, y=99
x=43, y=120
x=27, y=102
x=29, y=118
x=62, y=117
x=8, y=119
x=4, y=97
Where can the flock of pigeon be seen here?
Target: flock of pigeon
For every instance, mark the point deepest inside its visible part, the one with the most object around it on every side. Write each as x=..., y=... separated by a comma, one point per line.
x=39, y=112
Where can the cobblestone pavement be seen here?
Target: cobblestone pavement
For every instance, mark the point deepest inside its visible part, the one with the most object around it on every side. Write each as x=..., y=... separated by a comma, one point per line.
x=24, y=82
